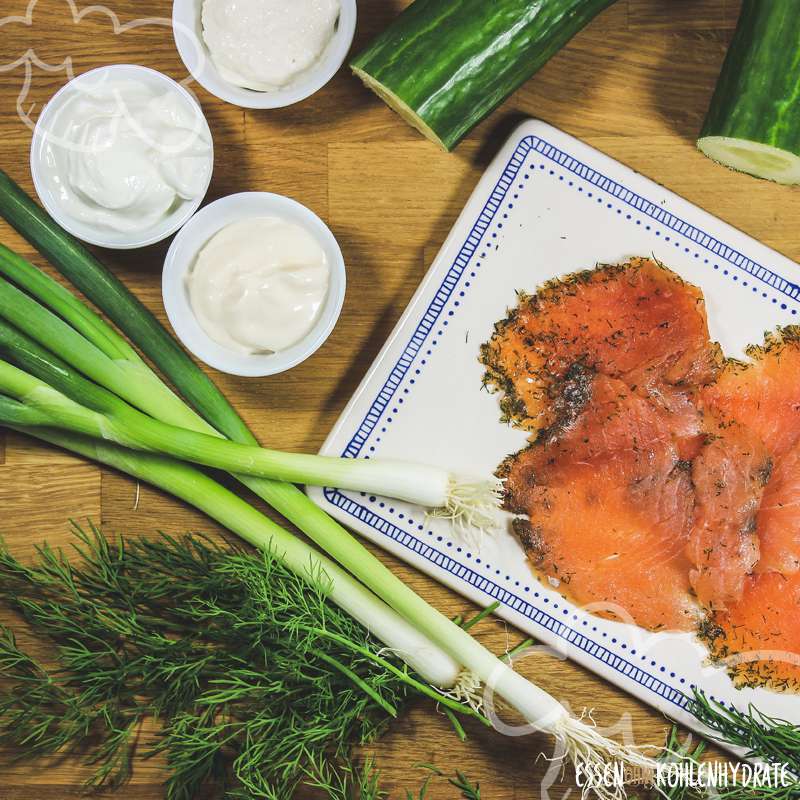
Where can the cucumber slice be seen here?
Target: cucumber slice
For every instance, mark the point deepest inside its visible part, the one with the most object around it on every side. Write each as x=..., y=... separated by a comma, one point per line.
x=444, y=65
x=754, y=158
x=753, y=121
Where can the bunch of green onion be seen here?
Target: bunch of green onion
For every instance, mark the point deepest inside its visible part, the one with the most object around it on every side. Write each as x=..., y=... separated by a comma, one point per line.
x=173, y=429
x=71, y=379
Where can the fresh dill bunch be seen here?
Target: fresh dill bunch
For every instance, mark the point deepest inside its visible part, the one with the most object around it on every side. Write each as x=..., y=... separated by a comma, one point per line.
x=252, y=675
x=677, y=752
x=772, y=740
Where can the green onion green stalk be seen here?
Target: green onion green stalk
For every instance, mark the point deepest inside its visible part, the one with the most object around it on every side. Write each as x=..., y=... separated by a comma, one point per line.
x=57, y=410
x=173, y=429
x=199, y=490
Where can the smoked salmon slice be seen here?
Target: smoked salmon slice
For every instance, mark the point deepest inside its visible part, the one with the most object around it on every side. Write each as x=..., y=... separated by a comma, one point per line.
x=758, y=640
x=729, y=475
x=764, y=393
x=638, y=322
x=608, y=507
x=778, y=521
x=661, y=485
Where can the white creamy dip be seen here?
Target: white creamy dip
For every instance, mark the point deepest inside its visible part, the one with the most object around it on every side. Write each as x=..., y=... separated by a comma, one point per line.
x=258, y=285
x=122, y=155
x=265, y=44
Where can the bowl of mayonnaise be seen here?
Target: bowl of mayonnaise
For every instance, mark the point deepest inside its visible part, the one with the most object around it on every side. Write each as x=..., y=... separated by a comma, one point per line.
x=263, y=53
x=253, y=284
x=122, y=156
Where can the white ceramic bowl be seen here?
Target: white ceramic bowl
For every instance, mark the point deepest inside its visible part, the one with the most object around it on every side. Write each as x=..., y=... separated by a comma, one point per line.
x=187, y=27
x=182, y=255
x=42, y=170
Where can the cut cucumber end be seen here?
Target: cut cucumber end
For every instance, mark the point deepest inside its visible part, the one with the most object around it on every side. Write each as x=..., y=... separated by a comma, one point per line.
x=754, y=158
x=398, y=105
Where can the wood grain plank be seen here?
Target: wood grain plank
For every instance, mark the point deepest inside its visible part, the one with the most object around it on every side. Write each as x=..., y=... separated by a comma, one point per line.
x=38, y=499
x=264, y=163
x=624, y=84
x=651, y=16
x=429, y=189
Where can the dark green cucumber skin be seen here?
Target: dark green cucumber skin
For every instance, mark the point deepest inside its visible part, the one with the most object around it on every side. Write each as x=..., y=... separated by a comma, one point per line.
x=454, y=61
x=758, y=92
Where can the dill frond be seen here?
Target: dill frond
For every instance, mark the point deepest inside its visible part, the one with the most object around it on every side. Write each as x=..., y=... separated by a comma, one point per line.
x=254, y=678
x=772, y=740
x=677, y=751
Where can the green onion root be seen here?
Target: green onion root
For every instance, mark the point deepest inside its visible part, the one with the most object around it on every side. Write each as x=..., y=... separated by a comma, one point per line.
x=590, y=752
x=471, y=507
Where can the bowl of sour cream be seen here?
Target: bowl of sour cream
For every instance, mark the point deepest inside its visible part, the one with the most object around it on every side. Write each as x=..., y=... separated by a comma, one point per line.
x=263, y=53
x=122, y=156
x=253, y=284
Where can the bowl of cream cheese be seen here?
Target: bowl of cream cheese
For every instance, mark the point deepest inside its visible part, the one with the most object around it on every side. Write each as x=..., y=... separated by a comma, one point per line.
x=122, y=156
x=253, y=284
x=263, y=53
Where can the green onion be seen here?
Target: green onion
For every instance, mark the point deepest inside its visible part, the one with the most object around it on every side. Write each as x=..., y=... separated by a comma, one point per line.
x=580, y=741
x=105, y=416
x=100, y=362
x=466, y=502
x=219, y=503
x=438, y=668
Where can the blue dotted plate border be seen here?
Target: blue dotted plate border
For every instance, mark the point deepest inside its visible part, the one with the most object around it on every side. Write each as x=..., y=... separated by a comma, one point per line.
x=405, y=531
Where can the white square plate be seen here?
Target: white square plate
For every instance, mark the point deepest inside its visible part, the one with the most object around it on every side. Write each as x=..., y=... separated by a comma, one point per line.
x=547, y=206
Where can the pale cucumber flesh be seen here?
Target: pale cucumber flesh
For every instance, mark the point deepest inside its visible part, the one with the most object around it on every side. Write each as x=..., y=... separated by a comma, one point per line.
x=754, y=158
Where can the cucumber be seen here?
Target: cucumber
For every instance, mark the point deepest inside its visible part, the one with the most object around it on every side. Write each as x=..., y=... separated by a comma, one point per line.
x=444, y=65
x=753, y=122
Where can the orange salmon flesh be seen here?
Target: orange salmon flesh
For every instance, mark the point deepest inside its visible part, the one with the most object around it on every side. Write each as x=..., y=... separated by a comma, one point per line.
x=661, y=485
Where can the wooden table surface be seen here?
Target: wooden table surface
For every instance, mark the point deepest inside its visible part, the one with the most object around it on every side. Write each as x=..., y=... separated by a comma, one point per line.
x=634, y=84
